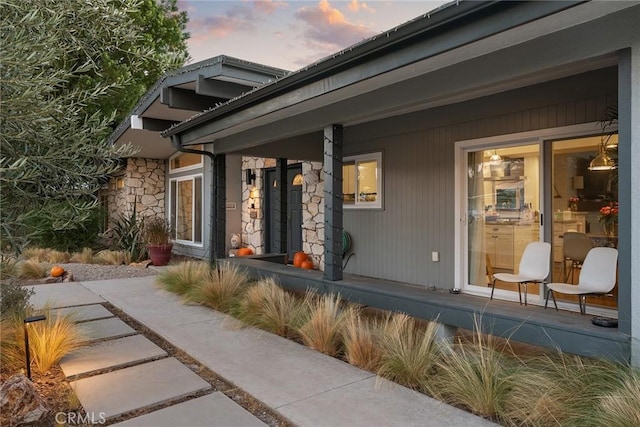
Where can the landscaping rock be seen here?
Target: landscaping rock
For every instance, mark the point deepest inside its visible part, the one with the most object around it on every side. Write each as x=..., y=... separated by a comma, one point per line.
x=20, y=403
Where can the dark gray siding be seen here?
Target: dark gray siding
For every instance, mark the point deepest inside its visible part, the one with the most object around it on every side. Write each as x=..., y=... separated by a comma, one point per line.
x=395, y=243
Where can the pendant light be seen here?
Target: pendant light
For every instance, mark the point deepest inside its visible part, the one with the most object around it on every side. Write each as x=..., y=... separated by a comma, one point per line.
x=495, y=159
x=602, y=162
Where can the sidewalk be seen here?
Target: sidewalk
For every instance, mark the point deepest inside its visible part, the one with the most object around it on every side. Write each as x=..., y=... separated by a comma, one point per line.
x=305, y=386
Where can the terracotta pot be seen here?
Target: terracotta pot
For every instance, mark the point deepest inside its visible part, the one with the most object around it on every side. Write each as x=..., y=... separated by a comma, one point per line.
x=160, y=254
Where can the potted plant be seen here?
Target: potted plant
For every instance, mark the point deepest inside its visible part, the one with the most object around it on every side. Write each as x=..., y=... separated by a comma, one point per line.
x=157, y=234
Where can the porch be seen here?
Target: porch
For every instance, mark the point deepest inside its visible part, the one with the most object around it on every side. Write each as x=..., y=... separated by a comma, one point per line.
x=569, y=331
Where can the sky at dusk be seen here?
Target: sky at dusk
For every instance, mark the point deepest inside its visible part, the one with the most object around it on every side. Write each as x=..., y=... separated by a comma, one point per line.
x=290, y=34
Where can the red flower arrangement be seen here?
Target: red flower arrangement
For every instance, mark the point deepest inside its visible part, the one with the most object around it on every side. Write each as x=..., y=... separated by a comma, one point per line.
x=609, y=216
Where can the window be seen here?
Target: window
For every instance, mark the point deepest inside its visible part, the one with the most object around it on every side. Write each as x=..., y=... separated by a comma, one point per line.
x=186, y=161
x=186, y=209
x=362, y=181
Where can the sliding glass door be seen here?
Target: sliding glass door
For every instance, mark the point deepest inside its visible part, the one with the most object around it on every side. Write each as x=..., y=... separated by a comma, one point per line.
x=503, y=210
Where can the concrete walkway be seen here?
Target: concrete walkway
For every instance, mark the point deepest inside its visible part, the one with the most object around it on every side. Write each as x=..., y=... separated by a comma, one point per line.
x=305, y=386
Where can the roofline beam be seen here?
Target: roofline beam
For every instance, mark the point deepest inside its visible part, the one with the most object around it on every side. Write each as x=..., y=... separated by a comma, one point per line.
x=219, y=89
x=148, y=123
x=185, y=99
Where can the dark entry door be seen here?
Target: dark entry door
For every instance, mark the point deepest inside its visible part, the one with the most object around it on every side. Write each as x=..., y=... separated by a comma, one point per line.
x=294, y=209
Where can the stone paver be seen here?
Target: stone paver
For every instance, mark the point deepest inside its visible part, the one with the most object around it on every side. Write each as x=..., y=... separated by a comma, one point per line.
x=85, y=312
x=212, y=410
x=136, y=387
x=105, y=328
x=115, y=353
x=63, y=295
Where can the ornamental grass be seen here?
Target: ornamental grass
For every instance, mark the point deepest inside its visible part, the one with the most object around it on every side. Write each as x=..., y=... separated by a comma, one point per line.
x=361, y=335
x=109, y=257
x=182, y=277
x=221, y=288
x=410, y=351
x=267, y=306
x=31, y=269
x=321, y=331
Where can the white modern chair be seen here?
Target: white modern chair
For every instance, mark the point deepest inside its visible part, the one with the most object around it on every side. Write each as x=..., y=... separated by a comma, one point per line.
x=533, y=268
x=597, y=277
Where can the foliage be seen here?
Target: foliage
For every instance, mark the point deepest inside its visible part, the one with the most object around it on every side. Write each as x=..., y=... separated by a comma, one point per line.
x=69, y=69
x=156, y=231
x=128, y=235
x=50, y=340
x=410, y=351
x=322, y=331
x=14, y=299
x=619, y=408
x=107, y=257
x=267, y=306
x=83, y=257
x=8, y=266
x=221, y=288
x=181, y=278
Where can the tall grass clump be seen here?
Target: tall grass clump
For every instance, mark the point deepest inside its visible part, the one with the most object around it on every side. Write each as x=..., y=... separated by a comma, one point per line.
x=322, y=330
x=221, y=288
x=108, y=257
x=361, y=337
x=621, y=407
x=85, y=256
x=31, y=269
x=410, y=351
x=562, y=389
x=8, y=266
x=267, y=306
x=50, y=340
x=35, y=253
x=476, y=375
x=180, y=278
x=58, y=257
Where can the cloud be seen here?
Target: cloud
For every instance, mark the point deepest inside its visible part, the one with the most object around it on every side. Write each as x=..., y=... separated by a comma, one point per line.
x=328, y=29
x=239, y=17
x=268, y=7
x=355, y=6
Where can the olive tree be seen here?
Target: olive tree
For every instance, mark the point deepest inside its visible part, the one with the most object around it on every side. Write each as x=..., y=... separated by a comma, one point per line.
x=69, y=69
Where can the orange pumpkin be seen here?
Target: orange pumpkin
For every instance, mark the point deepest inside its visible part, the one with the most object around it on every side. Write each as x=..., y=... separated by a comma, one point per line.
x=307, y=264
x=56, y=271
x=299, y=258
x=244, y=251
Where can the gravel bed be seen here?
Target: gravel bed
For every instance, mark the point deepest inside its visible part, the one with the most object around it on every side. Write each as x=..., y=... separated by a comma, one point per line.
x=90, y=272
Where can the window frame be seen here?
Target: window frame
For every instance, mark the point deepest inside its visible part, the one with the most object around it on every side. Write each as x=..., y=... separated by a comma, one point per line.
x=173, y=199
x=361, y=158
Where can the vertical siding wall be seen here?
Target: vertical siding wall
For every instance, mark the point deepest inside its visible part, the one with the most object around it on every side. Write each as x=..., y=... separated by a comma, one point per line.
x=418, y=166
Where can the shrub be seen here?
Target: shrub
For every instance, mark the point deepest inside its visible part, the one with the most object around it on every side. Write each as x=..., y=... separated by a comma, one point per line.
x=31, y=270
x=221, y=288
x=361, y=339
x=409, y=351
x=180, y=278
x=108, y=257
x=267, y=306
x=14, y=300
x=8, y=266
x=322, y=331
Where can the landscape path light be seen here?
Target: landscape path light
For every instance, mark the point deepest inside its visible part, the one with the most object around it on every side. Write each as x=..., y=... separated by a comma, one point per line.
x=28, y=320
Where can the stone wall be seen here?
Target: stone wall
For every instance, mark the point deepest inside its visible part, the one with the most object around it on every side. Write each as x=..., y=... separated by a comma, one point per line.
x=253, y=232
x=142, y=183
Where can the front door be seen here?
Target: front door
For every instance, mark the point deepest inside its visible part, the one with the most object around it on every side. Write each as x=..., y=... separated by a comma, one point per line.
x=294, y=209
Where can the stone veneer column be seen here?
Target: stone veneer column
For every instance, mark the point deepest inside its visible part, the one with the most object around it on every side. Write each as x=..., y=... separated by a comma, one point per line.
x=253, y=228
x=313, y=213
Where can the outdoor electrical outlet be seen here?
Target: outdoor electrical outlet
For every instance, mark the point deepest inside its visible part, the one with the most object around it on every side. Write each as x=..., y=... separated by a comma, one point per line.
x=435, y=256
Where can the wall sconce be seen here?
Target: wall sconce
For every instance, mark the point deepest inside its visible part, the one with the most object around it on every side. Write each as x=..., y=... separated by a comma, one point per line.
x=253, y=195
x=250, y=176
x=120, y=183
x=26, y=321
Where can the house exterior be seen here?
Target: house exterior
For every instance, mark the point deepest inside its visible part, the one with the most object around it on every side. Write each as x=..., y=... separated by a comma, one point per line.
x=161, y=181
x=443, y=147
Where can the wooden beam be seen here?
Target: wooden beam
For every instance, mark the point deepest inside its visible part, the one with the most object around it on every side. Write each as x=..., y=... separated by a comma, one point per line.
x=333, y=140
x=280, y=207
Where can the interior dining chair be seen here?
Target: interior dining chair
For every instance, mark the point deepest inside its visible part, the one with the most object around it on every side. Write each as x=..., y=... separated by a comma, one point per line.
x=597, y=277
x=575, y=248
x=533, y=268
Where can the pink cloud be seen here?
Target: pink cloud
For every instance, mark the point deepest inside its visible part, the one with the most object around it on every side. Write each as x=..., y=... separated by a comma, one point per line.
x=236, y=18
x=268, y=7
x=328, y=29
x=355, y=6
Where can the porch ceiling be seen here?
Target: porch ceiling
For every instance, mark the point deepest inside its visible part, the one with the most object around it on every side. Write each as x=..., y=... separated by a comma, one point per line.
x=539, y=51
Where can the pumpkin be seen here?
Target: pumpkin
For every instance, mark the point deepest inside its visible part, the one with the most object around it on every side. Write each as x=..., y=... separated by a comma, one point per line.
x=299, y=258
x=244, y=251
x=307, y=264
x=56, y=271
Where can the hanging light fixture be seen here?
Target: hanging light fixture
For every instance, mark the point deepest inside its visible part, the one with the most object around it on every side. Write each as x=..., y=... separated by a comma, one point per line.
x=495, y=159
x=602, y=162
